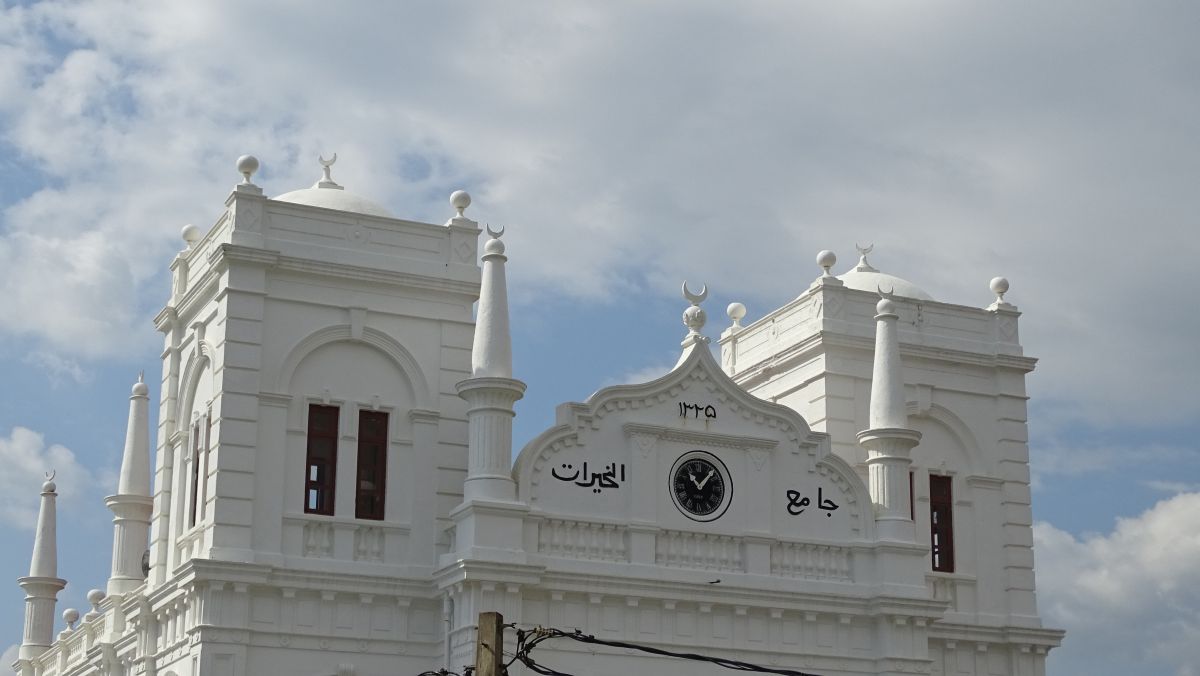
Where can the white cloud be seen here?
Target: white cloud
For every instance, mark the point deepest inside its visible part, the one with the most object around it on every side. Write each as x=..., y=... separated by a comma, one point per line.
x=26, y=458
x=1129, y=599
x=10, y=655
x=628, y=147
x=59, y=368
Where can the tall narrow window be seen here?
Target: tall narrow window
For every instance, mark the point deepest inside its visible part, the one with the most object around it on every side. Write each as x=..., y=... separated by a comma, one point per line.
x=941, y=523
x=205, y=451
x=195, y=472
x=372, y=465
x=321, y=465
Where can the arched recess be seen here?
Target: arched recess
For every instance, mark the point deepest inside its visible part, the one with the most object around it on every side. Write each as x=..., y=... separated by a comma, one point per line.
x=373, y=337
x=965, y=443
x=201, y=359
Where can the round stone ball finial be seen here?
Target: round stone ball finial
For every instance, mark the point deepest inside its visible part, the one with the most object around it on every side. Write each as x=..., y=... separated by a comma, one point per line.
x=736, y=312
x=140, y=388
x=460, y=200
x=246, y=166
x=885, y=306
x=826, y=259
x=493, y=247
x=694, y=318
x=191, y=234
x=49, y=486
x=999, y=286
x=70, y=616
x=95, y=596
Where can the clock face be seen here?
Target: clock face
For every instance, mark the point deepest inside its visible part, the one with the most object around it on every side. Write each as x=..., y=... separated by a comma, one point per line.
x=700, y=486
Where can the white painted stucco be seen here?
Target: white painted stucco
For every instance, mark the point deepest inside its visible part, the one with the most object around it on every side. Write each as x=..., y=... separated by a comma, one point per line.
x=286, y=303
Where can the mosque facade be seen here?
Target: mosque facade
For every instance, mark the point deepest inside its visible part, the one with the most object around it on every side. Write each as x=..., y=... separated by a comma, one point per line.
x=843, y=491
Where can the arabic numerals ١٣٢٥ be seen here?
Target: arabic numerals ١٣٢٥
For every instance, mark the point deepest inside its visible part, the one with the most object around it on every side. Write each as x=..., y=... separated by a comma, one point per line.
x=797, y=503
x=696, y=410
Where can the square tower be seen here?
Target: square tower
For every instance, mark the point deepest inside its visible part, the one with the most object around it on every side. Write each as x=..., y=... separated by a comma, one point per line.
x=964, y=376
x=307, y=412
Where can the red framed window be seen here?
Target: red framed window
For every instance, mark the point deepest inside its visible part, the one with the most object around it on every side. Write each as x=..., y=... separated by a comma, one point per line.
x=371, y=483
x=941, y=523
x=320, y=467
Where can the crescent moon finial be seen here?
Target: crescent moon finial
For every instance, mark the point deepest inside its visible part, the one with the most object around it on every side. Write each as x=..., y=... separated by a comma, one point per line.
x=326, y=180
x=885, y=294
x=50, y=475
x=493, y=233
x=695, y=298
x=863, y=251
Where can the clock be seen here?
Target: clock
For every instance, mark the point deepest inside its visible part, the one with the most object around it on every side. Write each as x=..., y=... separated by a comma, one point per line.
x=700, y=486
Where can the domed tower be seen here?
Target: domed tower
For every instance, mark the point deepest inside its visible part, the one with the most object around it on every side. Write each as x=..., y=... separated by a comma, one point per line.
x=954, y=387
x=310, y=442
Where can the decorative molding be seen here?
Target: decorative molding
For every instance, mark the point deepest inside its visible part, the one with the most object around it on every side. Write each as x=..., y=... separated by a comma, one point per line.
x=696, y=437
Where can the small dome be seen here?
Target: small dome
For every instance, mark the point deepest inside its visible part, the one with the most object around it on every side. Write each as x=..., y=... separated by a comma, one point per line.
x=334, y=198
x=873, y=281
x=327, y=194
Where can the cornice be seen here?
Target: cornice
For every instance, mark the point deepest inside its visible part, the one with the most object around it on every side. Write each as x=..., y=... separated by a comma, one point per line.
x=955, y=631
x=784, y=359
x=279, y=261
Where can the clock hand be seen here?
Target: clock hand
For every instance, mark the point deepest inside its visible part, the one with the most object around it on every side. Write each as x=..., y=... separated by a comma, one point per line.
x=694, y=483
x=702, y=483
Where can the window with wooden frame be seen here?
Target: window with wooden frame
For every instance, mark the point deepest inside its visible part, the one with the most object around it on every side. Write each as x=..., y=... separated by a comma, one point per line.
x=320, y=466
x=371, y=484
x=941, y=523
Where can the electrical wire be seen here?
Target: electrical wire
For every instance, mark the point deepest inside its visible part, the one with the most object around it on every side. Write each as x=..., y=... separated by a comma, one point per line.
x=528, y=640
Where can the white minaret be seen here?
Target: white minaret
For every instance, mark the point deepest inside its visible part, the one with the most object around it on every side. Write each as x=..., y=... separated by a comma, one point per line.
x=43, y=584
x=888, y=440
x=132, y=504
x=491, y=391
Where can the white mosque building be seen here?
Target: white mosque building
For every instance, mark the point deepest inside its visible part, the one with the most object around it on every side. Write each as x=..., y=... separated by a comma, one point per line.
x=845, y=491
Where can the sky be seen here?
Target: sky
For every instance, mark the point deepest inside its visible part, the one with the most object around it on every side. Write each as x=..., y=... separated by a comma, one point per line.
x=627, y=146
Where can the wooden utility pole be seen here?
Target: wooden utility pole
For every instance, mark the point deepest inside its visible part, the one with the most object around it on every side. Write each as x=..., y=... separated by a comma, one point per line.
x=489, y=645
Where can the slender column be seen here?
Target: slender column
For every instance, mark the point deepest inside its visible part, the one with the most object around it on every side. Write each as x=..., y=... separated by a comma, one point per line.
x=888, y=440
x=132, y=505
x=42, y=584
x=491, y=391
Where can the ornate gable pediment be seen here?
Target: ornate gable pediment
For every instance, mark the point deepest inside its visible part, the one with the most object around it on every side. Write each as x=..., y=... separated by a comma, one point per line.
x=692, y=451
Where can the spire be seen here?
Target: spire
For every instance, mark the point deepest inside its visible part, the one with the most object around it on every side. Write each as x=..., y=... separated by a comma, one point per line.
x=888, y=440
x=131, y=506
x=887, y=377
x=42, y=584
x=45, y=540
x=135, y=461
x=490, y=392
x=491, y=354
